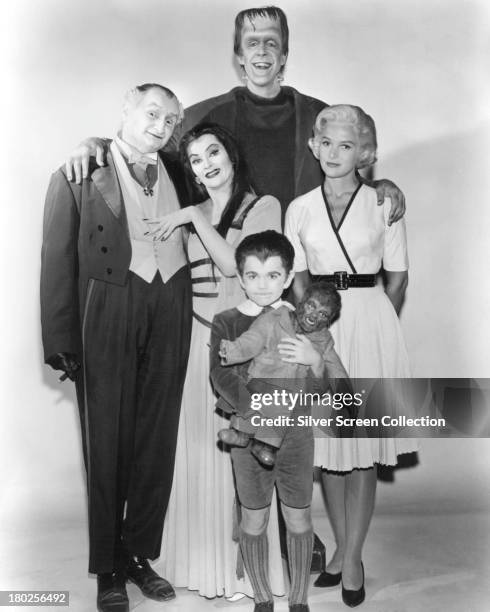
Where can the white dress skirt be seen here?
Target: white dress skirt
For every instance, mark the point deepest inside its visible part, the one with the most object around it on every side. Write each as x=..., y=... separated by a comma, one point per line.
x=368, y=336
x=199, y=550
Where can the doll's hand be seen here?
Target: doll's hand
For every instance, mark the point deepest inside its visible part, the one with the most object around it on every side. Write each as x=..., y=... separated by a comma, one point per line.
x=78, y=159
x=387, y=189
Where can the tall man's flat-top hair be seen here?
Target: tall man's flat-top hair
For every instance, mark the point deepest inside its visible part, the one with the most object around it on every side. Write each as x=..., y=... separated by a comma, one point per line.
x=264, y=245
x=271, y=12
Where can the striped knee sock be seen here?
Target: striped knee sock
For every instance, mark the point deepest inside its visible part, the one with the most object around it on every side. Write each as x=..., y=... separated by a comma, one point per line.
x=300, y=551
x=255, y=553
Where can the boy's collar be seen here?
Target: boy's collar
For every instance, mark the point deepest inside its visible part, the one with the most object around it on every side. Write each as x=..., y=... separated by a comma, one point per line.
x=253, y=310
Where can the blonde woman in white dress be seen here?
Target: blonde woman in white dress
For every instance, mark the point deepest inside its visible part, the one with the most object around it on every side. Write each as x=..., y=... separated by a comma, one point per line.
x=340, y=227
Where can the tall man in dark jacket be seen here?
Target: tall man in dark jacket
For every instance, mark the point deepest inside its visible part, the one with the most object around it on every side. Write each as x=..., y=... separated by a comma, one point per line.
x=116, y=318
x=272, y=122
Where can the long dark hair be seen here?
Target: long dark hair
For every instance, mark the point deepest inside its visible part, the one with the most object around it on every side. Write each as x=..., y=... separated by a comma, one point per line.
x=241, y=182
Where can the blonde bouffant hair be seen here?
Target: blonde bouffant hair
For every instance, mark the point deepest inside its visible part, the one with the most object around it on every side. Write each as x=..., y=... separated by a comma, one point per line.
x=362, y=123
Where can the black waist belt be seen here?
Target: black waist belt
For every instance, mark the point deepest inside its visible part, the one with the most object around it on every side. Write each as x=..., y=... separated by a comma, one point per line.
x=344, y=280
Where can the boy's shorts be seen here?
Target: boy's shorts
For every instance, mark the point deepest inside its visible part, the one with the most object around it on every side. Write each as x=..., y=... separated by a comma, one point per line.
x=292, y=473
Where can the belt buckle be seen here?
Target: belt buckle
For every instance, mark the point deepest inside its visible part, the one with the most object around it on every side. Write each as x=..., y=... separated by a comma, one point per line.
x=341, y=280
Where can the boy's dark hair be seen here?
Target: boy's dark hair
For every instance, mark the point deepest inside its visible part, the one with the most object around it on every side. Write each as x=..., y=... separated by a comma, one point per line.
x=264, y=245
x=327, y=295
x=272, y=12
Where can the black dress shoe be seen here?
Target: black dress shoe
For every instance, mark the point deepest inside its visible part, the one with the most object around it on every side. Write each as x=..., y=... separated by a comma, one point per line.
x=151, y=584
x=353, y=598
x=326, y=579
x=318, y=557
x=111, y=593
x=264, y=606
x=299, y=608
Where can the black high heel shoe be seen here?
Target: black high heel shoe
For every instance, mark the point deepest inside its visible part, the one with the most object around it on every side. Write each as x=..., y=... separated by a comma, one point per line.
x=353, y=598
x=326, y=579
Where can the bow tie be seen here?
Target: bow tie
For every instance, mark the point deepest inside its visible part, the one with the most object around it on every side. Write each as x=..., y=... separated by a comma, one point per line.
x=141, y=159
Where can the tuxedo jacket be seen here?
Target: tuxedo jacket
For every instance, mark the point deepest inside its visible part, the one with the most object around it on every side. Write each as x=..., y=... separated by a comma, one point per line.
x=85, y=236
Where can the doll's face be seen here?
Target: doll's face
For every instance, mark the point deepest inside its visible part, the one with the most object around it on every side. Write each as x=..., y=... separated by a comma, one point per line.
x=314, y=313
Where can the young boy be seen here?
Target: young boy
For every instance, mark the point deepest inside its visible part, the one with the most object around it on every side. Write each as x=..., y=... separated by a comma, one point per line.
x=267, y=371
x=264, y=263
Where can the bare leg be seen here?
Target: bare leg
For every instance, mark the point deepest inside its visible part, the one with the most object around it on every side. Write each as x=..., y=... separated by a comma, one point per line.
x=349, y=499
x=333, y=488
x=360, y=495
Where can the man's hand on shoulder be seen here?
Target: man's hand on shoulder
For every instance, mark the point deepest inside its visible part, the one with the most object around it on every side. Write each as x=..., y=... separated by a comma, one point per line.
x=78, y=160
x=388, y=189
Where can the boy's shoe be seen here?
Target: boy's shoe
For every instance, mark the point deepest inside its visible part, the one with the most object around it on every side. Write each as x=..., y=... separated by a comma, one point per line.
x=264, y=606
x=233, y=437
x=265, y=453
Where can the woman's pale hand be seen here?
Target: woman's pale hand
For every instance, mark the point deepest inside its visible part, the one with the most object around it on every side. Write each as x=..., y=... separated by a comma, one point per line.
x=78, y=159
x=163, y=227
x=299, y=350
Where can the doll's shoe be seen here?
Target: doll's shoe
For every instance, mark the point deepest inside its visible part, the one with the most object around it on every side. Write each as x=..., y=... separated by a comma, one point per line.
x=265, y=453
x=353, y=598
x=233, y=437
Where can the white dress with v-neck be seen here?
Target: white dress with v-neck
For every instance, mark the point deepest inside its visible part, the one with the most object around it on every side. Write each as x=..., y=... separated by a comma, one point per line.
x=368, y=335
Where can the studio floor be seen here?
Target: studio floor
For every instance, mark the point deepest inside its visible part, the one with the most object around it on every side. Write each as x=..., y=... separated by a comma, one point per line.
x=426, y=560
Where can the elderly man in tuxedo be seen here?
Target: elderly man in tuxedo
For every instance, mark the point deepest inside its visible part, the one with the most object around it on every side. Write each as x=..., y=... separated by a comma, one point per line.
x=116, y=319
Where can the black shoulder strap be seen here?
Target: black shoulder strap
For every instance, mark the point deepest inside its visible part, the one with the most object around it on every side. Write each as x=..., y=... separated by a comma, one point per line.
x=238, y=222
